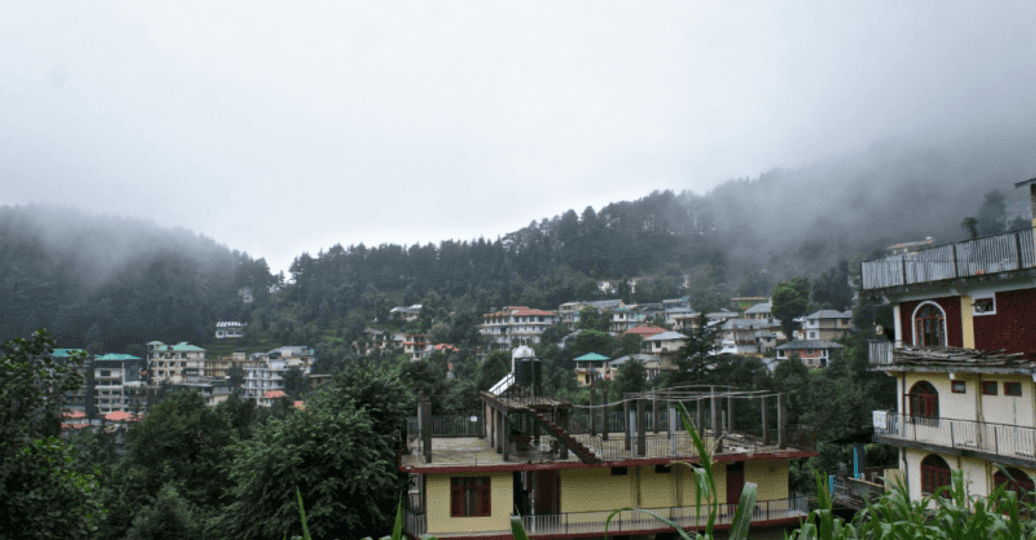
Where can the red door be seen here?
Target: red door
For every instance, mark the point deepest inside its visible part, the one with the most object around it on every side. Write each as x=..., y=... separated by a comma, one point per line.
x=735, y=481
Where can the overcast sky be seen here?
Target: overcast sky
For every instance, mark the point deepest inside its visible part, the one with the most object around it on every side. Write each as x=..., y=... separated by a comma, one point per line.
x=282, y=127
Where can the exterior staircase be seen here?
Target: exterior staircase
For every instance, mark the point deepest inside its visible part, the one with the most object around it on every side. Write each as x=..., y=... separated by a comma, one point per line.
x=581, y=451
x=503, y=384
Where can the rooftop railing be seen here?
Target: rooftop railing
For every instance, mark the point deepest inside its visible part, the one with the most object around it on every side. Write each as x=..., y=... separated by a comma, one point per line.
x=989, y=255
x=1004, y=440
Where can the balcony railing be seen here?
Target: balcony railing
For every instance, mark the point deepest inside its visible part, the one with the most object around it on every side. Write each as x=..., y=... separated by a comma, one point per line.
x=633, y=521
x=992, y=254
x=1003, y=440
x=447, y=426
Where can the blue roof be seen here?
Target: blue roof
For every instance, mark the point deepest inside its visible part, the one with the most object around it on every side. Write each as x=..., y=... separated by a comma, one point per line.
x=592, y=357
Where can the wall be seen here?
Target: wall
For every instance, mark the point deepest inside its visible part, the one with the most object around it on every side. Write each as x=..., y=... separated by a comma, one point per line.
x=438, y=498
x=592, y=489
x=950, y=305
x=772, y=477
x=1013, y=327
x=978, y=474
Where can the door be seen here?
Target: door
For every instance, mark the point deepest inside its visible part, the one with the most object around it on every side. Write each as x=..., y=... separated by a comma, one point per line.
x=735, y=481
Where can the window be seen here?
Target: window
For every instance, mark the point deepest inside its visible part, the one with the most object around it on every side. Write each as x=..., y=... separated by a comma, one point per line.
x=988, y=388
x=928, y=326
x=1012, y=389
x=469, y=497
x=619, y=471
x=1016, y=481
x=663, y=469
x=959, y=387
x=924, y=400
x=935, y=473
x=984, y=306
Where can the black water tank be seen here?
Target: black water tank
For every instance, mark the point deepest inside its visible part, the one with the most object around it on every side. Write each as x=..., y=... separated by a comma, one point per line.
x=524, y=375
x=537, y=373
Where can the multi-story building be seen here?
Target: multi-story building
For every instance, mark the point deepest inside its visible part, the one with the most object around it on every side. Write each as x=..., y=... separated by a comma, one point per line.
x=416, y=346
x=962, y=354
x=516, y=325
x=262, y=375
x=80, y=400
x=592, y=367
x=219, y=368
x=568, y=312
x=825, y=325
x=296, y=356
x=682, y=319
x=625, y=318
x=118, y=385
x=173, y=363
x=812, y=352
x=406, y=313
x=564, y=469
x=748, y=337
x=230, y=330
x=759, y=311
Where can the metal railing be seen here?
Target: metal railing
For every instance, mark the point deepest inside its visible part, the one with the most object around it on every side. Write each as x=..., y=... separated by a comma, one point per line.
x=992, y=254
x=447, y=426
x=633, y=521
x=996, y=439
x=880, y=352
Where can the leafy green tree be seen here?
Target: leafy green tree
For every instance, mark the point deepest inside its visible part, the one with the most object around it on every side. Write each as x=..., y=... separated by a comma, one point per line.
x=631, y=378
x=591, y=318
x=181, y=441
x=697, y=358
x=42, y=494
x=970, y=226
x=168, y=517
x=295, y=383
x=790, y=301
x=588, y=341
x=341, y=454
x=627, y=344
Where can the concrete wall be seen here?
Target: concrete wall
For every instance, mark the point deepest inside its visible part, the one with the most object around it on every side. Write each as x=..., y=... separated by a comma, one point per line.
x=437, y=488
x=771, y=476
x=1013, y=327
x=978, y=474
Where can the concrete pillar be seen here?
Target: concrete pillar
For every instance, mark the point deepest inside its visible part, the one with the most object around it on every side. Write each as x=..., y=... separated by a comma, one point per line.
x=593, y=412
x=605, y=413
x=717, y=423
x=782, y=421
x=562, y=420
x=654, y=412
x=699, y=421
x=626, y=424
x=730, y=413
x=672, y=419
x=766, y=423
x=426, y=427
x=506, y=438
x=641, y=428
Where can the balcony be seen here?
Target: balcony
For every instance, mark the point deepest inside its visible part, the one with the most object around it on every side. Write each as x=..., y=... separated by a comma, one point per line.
x=879, y=352
x=630, y=521
x=1005, y=443
x=990, y=255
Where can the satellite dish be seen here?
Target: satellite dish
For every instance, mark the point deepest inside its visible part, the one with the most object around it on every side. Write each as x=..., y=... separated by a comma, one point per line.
x=879, y=330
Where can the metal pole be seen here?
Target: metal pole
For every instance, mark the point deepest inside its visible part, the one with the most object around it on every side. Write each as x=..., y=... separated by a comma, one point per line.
x=766, y=423
x=782, y=420
x=654, y=411
x=593, y=412
x=730, y=413
x=605, y=413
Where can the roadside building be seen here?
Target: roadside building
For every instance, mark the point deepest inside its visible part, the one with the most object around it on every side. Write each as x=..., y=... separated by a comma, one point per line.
x=173, y=363
x=592, y=367
x=825, y=325
x=230, y=330
x=118, y=385
x=516, y=325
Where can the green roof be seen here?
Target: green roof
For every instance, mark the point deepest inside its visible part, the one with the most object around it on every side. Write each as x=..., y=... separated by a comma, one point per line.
x=115, y=356
x=592, y=357
x=65, y=353
x=183, y=346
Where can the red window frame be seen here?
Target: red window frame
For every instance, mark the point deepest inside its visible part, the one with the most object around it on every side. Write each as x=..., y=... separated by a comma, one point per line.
x=1020, y=483
x=989, y=388
x=928, y=327
x=470, y=496
x=935, y=473
x=924, y=400
x=1012, y=389
x=959, y=387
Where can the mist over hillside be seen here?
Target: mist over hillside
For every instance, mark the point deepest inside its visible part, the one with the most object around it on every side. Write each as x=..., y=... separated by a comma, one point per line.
x=113, y=281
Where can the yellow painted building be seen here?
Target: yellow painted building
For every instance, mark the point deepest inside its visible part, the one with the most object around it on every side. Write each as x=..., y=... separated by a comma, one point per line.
x=564, y=473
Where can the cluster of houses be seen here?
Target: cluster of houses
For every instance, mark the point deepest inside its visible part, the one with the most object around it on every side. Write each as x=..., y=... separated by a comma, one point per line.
x=120, y=387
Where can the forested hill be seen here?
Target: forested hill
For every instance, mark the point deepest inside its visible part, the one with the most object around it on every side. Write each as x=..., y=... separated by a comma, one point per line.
x=740, y=238
x=112, y=281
